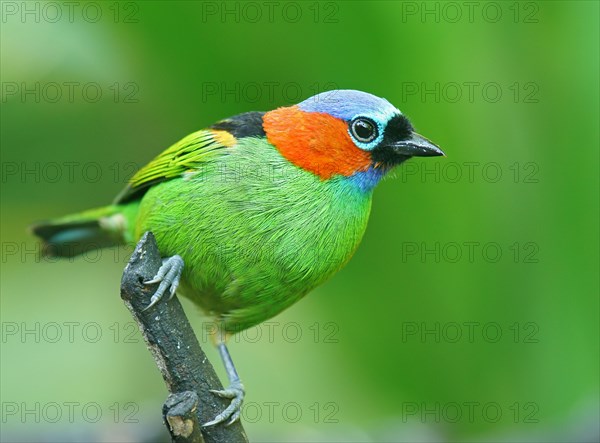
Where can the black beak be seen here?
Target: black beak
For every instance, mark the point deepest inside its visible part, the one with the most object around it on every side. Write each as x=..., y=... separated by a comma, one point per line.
x=416, y=146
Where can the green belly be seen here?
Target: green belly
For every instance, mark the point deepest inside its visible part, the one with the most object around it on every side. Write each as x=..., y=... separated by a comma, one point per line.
x=256, y=233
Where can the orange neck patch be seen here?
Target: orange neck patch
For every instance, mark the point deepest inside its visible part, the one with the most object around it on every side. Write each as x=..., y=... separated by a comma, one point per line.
x=316, y=142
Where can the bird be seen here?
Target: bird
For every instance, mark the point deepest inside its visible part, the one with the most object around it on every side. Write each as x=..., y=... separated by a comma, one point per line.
x=255, y=211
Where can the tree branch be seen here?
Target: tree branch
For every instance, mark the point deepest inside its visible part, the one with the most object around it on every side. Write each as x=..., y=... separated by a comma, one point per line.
x=179, y=413
x=177, y=353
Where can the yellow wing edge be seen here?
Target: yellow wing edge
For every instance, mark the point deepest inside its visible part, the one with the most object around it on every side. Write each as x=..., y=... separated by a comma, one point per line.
x=189, y=153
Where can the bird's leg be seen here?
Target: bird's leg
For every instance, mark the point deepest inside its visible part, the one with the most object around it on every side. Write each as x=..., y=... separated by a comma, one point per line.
x=168, y=275
x=235, y=390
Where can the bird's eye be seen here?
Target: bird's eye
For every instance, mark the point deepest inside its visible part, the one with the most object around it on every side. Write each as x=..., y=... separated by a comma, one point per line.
x=363, y=130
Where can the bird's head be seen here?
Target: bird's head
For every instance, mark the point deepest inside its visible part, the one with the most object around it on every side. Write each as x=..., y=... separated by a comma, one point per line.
x=345, y=132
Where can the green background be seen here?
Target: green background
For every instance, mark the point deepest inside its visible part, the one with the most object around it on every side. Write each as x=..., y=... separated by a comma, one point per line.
x=379, y=358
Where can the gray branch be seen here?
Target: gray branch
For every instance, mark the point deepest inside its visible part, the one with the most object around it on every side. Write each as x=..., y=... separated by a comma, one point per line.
x=184, y=366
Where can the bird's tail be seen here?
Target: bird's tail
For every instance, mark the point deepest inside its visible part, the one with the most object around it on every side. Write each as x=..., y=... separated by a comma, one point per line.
x=85, y=231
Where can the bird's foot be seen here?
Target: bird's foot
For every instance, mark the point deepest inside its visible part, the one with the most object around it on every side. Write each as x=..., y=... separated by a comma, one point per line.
x=235, y=391
x=168, y=275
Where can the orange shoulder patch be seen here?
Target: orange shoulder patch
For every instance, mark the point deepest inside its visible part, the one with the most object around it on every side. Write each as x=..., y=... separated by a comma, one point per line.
x=223, y=138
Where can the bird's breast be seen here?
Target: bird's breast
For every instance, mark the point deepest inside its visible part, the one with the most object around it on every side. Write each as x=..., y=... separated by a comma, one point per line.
x=255, y=232
x=298, y=222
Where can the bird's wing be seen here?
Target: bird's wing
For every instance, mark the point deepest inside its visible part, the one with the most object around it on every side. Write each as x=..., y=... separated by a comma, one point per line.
x=187, y=154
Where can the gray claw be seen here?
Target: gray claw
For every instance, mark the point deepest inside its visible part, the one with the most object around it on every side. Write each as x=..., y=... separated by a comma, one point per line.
x=235, y=417
x=168, y=275
x=236, y=393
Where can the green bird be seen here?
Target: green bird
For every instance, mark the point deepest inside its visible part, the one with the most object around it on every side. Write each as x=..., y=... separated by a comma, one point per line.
x=254, y=212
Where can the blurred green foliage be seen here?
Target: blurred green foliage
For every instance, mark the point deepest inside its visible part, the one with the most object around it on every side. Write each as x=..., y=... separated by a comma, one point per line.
x=514, y=94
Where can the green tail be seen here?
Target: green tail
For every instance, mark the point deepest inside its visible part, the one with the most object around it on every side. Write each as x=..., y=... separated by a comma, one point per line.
x=94, y=229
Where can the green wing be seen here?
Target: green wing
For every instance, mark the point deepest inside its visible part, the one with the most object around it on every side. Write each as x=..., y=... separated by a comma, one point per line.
x=187, y=154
